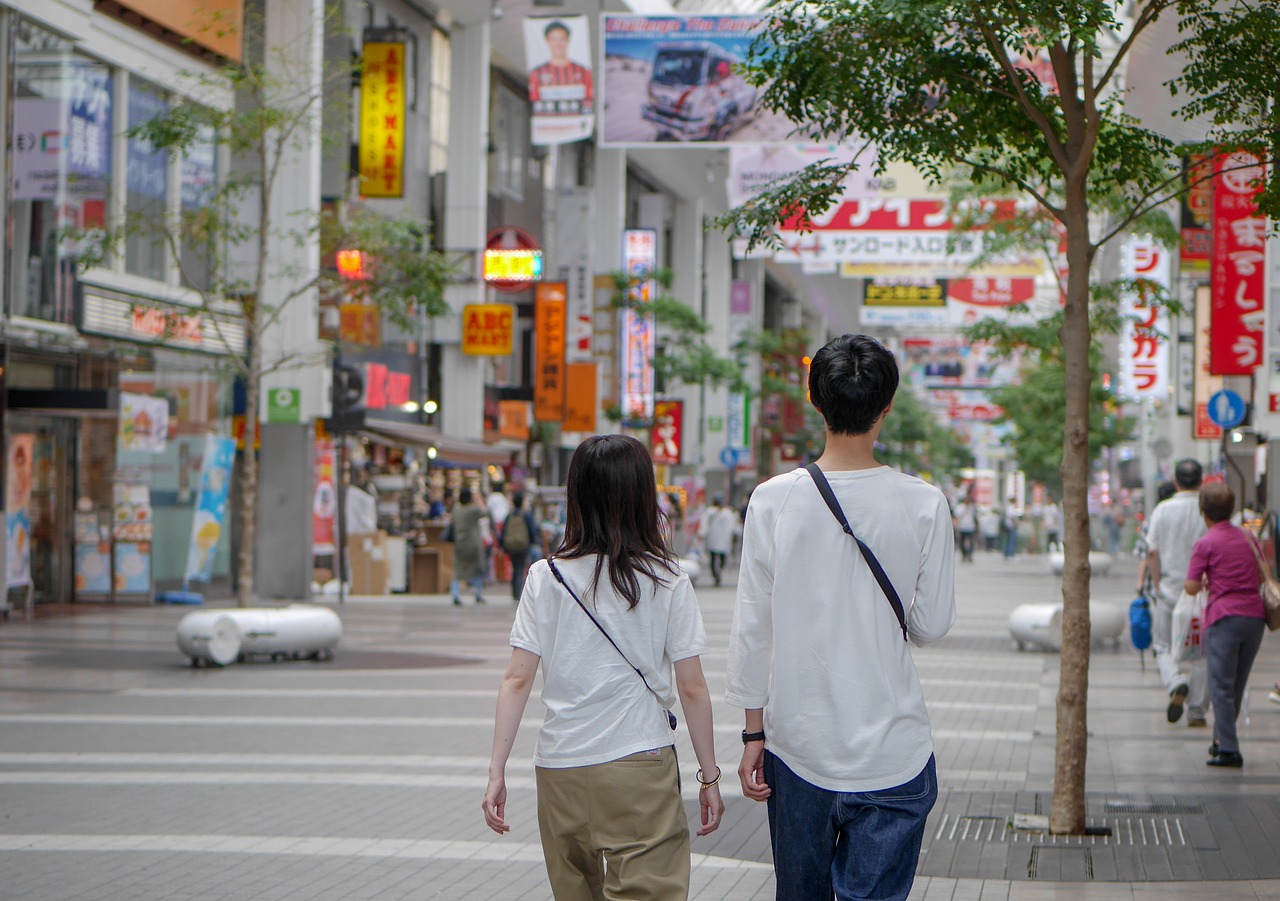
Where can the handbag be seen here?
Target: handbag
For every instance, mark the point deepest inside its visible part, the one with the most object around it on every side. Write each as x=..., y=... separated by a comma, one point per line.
x=1188, y=628
x=555, y=571
x=824, y=488
x=1269, y=587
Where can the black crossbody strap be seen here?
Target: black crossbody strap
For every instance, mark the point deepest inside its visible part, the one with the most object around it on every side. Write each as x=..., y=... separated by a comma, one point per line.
x=555, y=571
x=824, y=488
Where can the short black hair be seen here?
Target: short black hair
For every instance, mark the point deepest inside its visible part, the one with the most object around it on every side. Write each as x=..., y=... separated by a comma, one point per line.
x=1165, y=491
x=1187, y=474
x=464, y=496
x=851, y=381
x=1217, y=502
x=556, y=25
x=517, y=500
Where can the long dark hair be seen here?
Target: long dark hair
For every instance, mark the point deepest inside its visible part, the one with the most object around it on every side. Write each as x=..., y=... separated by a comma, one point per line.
x=612, y=511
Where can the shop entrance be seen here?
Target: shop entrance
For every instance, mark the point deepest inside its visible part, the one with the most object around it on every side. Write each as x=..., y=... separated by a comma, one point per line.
x=50, y=473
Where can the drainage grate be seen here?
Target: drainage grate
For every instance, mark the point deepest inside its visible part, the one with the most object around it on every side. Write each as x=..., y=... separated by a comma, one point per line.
x=1060, y=864
x=1132, y=831
x=1148, y=809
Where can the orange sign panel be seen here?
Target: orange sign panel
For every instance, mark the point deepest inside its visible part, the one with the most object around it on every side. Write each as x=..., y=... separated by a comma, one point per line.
x=382, y=120
x=488, y=329
x=550, y=299
x=360, y=323
x=216, y=25
x=580, y=397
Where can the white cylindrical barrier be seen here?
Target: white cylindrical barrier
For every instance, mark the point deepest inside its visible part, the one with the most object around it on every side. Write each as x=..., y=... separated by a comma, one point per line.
x=1099, y=562
x=222, y=636
x=1041, y=624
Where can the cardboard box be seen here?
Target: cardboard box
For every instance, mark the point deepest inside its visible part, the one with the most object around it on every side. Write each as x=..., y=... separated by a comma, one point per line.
x=367, y=561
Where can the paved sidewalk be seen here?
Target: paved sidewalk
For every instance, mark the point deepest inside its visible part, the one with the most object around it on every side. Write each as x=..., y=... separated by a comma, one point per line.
x=127, y=774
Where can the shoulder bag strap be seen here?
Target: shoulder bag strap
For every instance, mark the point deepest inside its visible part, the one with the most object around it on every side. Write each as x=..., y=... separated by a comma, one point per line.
x=824, y=488
x=555, y=571
x=1263, y=568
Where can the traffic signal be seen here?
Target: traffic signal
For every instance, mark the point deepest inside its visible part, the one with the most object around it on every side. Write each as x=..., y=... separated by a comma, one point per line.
x=348, y=398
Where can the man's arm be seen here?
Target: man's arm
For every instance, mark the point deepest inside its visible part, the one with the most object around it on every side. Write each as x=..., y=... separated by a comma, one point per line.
x=933, y=612
x=1153, y=567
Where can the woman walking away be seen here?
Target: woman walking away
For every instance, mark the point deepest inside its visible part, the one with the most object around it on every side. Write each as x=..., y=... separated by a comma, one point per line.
x=468, y=547
x=1227, y=560
x=607, y=616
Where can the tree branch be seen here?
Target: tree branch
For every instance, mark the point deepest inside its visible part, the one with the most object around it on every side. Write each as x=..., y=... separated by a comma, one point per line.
x=1145, y=18
x=1055, y=211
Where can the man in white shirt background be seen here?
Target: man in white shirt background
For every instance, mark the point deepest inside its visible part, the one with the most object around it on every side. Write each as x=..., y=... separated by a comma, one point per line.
x=837, y=737
x=717, y=531
x=1173, y=530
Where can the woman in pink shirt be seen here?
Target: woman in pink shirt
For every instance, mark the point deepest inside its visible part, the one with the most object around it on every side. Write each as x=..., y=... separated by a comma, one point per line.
x=1223, y=562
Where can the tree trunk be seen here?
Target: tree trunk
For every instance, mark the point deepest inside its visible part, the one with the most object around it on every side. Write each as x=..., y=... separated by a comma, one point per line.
x=249, y=475
x=1067, y=814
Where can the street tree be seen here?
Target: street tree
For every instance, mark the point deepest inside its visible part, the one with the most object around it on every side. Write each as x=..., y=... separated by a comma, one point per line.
x=1027, y=92
x=220, y=242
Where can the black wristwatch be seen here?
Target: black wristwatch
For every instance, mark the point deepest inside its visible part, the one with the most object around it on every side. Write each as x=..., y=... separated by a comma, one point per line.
x=749, y=737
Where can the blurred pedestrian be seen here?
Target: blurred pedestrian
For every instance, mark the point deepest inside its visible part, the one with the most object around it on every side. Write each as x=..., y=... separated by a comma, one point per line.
x=966, y=520
x=519, y=538
x=1226, y=561
x=469, y=564
x=717, y=527
x=1053, y=526
x=1142, y=548
x=609, y=805
x=1176, y=525
x=1009, y=527
x=989, y=526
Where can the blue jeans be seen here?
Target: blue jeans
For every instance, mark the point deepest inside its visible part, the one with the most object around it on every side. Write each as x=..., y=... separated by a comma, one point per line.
x=853, y=845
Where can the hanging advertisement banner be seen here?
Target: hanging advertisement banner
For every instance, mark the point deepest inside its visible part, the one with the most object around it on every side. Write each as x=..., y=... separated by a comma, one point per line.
x=1205, y=385
x=1144, y=341
x=676, y=79
x=211, y=507
x=19, y=473
x=550, y=303
x=639, y=256
x=382, y=91
x=668, y=432
x=324, y=505
x=1238, y=272
x=581, y=383
x=144, y=423
x=558, y=54
x=488, y=329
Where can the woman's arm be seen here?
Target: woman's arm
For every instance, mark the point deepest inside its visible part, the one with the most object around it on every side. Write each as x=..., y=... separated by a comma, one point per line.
x=695, y=699
x=513, y=694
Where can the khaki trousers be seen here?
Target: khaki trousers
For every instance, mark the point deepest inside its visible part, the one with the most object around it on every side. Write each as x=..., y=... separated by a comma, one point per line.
x=615, y=831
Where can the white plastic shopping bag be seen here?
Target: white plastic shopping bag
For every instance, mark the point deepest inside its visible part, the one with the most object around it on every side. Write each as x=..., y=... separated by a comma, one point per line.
x=1188, y=628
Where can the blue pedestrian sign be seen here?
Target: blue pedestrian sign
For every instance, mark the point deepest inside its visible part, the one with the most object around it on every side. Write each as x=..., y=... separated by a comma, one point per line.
x=1226, y=409
x=729, y=457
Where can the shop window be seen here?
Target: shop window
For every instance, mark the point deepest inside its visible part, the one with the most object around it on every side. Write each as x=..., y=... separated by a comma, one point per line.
x=510, y=136
x=61, y=168
x=147, y=197
x=199, y=180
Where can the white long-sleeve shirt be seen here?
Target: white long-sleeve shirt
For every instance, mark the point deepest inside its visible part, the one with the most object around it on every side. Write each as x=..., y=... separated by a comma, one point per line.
x=814, y=641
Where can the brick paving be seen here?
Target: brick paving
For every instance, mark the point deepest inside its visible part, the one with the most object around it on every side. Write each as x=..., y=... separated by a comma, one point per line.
x=125, y=773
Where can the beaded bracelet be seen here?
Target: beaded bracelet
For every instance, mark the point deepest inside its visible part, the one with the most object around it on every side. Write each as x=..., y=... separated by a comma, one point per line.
x=698, y=776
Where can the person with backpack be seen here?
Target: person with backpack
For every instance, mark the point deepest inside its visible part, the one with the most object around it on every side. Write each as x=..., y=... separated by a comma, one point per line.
x=837, y=738
x=615, y=626
x=518, y=537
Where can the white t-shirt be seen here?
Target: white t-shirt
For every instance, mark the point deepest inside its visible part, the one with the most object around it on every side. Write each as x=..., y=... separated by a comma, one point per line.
x=598, y=709
x=814, y=641
x=1173, y=530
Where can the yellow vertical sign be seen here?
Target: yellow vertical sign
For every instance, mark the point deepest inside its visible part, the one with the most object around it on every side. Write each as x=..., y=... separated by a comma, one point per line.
x=549, y=331
x=382, y=120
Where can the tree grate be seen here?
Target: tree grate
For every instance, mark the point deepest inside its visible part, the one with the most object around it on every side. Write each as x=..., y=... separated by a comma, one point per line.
x=1163, y=809
x=1065, y=864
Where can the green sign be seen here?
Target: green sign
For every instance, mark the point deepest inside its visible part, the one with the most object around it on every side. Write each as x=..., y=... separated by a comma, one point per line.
x=715, y=423
x=284, y=405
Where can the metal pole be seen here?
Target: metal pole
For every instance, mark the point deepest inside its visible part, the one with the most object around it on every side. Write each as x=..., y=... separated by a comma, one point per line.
x=340, y=554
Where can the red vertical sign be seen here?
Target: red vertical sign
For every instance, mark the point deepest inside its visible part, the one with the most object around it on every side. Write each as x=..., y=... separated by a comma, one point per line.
x=1238, y=274
x=668, y=431
x=324, y=504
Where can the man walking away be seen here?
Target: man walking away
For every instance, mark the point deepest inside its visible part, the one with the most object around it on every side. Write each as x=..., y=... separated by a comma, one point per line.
x=1176, y=526
x=837, y=737
x=518, y=536
x=967, y=524
x=717, y=529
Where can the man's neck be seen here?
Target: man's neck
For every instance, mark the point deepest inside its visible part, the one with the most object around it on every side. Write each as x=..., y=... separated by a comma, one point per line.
x=845, y=453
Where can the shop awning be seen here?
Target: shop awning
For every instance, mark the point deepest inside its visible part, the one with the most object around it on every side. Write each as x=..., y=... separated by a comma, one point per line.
x=87, y=403
x=455, y=451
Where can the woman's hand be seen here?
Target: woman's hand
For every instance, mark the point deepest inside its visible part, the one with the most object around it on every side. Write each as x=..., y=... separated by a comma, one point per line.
x=712, y=809
x=495, y=805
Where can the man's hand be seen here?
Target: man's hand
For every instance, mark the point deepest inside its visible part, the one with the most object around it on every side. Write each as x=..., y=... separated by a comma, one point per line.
x=495, y=805
x=751, y=772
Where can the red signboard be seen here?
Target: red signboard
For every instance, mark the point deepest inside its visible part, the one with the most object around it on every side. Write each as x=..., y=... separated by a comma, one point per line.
x=668, y=431
x=992, y=292
x=1238, y=274
x=384, y=387
x=325, y=504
